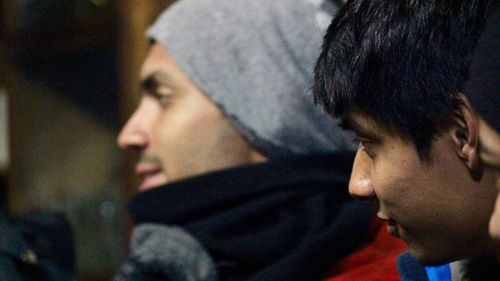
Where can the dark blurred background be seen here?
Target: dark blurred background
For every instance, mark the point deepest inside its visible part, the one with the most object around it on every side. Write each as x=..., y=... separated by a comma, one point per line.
x=68, y=80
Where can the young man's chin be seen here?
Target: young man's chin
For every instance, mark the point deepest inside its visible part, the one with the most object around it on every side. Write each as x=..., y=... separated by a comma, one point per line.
x=430, y=257
x=438, y=256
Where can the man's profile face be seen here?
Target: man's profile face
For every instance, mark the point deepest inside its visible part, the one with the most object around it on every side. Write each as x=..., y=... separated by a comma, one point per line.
x=176, y=131
x=495, y=223
x=490, y=155
x=433, y=205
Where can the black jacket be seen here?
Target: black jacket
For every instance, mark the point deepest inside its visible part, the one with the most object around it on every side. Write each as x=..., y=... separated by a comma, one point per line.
x=37, y=246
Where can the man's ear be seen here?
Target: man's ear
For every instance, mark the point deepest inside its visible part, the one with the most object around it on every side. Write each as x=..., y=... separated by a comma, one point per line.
x=465, y=133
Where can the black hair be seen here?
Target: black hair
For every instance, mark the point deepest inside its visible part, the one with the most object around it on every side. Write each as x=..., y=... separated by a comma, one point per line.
x=402, y=62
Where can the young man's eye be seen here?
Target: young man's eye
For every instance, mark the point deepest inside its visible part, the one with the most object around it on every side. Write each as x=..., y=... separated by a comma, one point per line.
x=366, y=147
x=163, y=97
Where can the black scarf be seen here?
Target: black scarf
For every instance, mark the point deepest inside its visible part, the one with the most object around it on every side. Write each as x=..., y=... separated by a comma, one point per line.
x=287, y=219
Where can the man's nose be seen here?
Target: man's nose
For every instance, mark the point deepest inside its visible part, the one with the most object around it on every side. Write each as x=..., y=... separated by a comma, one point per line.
x=360, y=184
x=135, y=134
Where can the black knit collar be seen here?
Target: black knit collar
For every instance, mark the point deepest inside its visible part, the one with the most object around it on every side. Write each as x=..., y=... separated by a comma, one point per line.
x=174, y=203
x=288, y=219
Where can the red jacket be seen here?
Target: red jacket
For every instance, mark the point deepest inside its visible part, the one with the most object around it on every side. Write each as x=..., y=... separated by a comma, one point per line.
x=376, y=261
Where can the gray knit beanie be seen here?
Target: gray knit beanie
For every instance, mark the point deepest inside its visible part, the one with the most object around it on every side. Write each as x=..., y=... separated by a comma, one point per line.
x=254, y=59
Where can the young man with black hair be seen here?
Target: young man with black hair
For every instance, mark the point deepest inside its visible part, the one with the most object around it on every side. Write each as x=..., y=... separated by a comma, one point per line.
x=395, y=72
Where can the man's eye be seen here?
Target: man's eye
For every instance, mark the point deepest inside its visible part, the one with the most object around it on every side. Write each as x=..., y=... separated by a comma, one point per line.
x=158, y=91
x=163, y=99
x=366, y=147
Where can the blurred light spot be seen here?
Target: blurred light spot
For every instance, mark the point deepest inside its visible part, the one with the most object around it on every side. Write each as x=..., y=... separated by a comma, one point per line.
x=107, y=209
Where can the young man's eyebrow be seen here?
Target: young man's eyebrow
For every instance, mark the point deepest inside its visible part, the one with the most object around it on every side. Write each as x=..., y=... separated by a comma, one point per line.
x=152, y=80
x=362, y=130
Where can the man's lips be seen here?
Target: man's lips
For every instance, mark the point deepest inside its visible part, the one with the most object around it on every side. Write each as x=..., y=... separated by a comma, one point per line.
x=392, y=226
x=152, y=176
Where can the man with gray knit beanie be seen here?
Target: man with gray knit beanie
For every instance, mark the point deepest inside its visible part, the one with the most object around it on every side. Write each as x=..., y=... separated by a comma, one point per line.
x=243, y=177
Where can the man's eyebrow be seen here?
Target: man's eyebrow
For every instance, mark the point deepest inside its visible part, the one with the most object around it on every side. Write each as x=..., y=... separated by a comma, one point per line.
x=362, y=130
x=152, y=80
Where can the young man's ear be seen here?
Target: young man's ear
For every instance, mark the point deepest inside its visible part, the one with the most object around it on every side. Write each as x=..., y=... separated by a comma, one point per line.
x=465, y=133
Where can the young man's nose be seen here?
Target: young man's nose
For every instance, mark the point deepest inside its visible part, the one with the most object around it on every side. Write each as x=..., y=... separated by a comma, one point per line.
x=135, y=134
x=360, y=184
